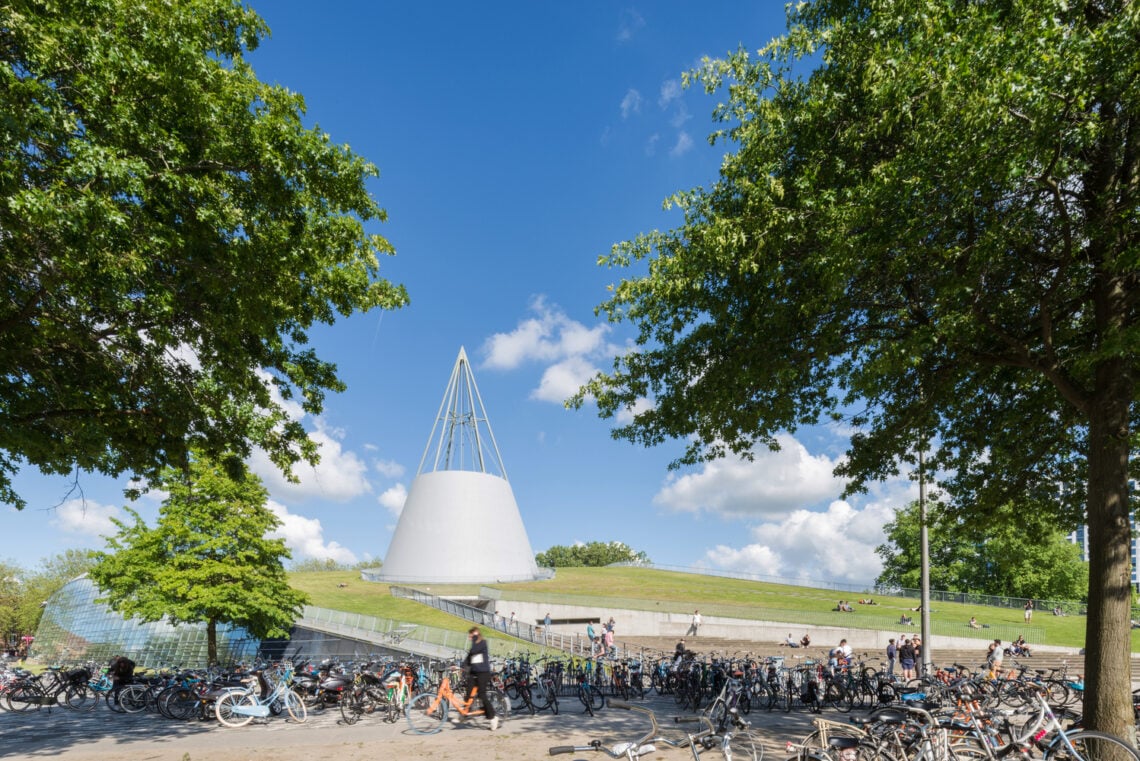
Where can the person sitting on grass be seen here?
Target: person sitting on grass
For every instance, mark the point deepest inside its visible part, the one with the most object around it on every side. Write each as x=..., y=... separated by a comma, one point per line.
x=974, y=623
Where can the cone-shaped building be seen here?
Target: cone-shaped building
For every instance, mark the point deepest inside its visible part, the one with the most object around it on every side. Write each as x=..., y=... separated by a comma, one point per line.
x=460, y=521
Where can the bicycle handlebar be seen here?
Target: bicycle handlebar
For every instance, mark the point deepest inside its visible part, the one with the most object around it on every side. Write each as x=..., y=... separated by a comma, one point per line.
x=560, y=749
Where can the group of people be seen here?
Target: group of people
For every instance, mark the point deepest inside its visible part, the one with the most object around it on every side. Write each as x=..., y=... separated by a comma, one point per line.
x=804, y=641
x=844, y=607
x=602, y=644
x=907, y=651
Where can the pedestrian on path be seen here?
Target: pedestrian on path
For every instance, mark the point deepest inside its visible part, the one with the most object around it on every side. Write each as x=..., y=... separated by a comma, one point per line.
x=892, y=654
x=479, y=662
x=695, y=626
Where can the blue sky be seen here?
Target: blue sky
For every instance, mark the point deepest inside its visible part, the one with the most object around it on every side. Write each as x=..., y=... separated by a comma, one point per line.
x=516, y=142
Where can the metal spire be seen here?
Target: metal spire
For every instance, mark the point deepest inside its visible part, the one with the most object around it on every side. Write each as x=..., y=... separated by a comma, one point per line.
x=458, y=433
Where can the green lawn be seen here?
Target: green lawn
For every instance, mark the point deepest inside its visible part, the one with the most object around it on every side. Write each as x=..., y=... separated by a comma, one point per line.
x=677, y=592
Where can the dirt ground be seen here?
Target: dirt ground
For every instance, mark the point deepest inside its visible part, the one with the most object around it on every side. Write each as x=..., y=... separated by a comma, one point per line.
x=101, y=735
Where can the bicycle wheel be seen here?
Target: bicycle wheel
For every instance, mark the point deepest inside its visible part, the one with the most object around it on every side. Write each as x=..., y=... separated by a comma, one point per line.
x=553, y=700
x=132, y=698
x=584, y=697
x=426, y=713
x=180, y=704
x=79, y=697
x=352, y=706
x=295, y=707
x=501, y=705
x=716, y=713
x=225, y=704
x=1090, y=745
x=24, y=697
x=740, y=747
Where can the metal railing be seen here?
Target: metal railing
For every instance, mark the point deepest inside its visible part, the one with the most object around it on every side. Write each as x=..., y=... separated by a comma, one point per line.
x=385, y=632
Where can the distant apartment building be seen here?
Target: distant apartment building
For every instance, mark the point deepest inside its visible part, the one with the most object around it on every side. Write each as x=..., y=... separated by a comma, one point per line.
x=1080, y=537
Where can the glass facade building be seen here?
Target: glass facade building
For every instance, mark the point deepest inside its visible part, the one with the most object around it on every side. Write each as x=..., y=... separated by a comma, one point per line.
x=76, y=629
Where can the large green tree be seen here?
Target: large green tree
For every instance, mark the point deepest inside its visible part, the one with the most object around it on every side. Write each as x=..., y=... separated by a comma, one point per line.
x=23, y=591
x=927, y=226
x=170, y=232
x=209, y=558
x=1018, y=553
x=589, y=554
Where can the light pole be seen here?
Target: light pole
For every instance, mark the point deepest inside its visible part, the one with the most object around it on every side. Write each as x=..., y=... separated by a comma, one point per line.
x=924, y=541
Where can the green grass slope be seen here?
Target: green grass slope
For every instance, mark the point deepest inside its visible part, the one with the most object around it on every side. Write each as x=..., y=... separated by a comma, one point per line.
x=649, y=589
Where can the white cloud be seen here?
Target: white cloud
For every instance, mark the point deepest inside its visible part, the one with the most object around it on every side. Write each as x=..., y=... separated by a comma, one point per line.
x=836, y=544
x=631, y=103
x=393, y=499
x=683, y=145
x=562, y=380
x=772, y=484
x=339, y=476
x=625, y=416
x=305, y=537
x=550, y=335
x=292, y=407
x=389, y=468
x=670, y=91
x=87, y=518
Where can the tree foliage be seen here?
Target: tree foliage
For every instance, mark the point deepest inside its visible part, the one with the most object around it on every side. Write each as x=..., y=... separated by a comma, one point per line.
x=1016, y=553
x=170, y=232
x=23, y=591
x=931, y=236
x=592, y=554
x=209, y=558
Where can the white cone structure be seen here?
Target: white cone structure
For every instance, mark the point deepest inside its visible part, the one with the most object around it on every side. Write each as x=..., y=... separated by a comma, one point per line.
x=460, y=522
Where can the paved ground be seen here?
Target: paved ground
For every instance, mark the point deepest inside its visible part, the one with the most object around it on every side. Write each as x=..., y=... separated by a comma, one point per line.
x=107, y=736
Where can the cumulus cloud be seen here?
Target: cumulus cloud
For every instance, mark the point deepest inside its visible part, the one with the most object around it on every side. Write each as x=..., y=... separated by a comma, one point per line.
x=569, y=349
x=771, y=485
x=631, y=103
x=549, y=335
x=683, y=145
x=625, y=416
x=393, y=499
x=86, y=518
x=305, y=537
x=389, y=468
x=562, y=380
x=339, y=476
x=837, y=543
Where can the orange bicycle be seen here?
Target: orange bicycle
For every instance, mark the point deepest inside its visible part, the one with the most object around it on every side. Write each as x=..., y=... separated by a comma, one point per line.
x=428, y=711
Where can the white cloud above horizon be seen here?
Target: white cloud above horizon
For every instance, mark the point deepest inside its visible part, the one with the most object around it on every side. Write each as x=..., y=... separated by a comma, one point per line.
x=84, y=517
x=772, y=484
x=393, y=499
x=305, y=537
x=340, y=476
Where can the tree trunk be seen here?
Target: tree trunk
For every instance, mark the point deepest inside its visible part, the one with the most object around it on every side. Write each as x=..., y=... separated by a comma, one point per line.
x=212, y=642
x=1108, y=687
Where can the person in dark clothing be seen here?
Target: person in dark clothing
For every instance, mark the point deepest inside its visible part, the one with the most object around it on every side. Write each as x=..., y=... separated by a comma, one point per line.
x=121, y=669
x=892, y=653
x=478, y=661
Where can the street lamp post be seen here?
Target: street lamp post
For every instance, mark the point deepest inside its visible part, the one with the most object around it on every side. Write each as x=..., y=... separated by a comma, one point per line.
x=924, y=541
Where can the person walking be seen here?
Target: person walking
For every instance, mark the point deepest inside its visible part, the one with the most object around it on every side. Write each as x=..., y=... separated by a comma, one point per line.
x=478, y=661
x=546, y=622
x=994, y=655
x=892, y=654
x=695, y=625
x=906, y=659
